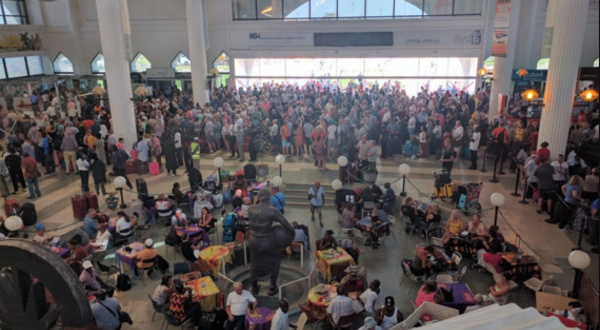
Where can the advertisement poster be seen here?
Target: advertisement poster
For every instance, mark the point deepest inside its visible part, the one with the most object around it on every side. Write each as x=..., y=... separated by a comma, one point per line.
x=501, y=24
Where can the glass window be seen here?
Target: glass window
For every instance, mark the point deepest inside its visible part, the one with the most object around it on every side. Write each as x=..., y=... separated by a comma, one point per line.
x=98, y=64
x=462, y=66
x=62, y=64
x=403, y=67
x=596, y=62
x=272, y=67
x=543, y=63
x=351, y=8
x=244, y=9
x=221, y=63
x=2, y=73
x=181, y=63
x=34, y=63
x=140, y=63
x=488, y=64
x=437, y=7
x=301, y=67
x=14, y=12
x=433, y=67
x=247, y=67
x=376, y=67
x=467, y=7
x=323, y=9
x=380, y=8
x=404, y=8
x=268, y=9
x=16, y=67
x=295, y=9
x=350, y=67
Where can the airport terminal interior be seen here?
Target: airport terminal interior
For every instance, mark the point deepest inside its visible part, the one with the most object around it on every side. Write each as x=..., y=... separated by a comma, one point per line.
x=437, y=161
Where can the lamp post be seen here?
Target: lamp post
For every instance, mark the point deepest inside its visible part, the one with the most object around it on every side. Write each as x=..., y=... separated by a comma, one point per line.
x=277, y=182
x=218, y=162
x=280, y=160
x=404, y=170
x=579, y=260
x=343, y=162
x=497, y=199
x=120, y=183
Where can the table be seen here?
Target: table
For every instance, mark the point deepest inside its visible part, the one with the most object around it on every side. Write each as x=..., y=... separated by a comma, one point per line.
x=522, y=269
x=260, y=319
x=461, y=294
x=326, y=260
x=213, y=256
x=204, y=291
x=62, y=252
x=191, y=231
x=127, y=257
x=547, y=302
x=321, y=300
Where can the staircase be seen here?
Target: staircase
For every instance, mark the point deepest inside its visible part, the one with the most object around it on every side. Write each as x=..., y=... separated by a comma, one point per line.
x=296, y=195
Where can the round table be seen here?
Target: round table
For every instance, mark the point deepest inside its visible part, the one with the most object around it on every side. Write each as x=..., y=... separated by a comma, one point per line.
x=260, y=319
x=322, y=300
x=213, y=254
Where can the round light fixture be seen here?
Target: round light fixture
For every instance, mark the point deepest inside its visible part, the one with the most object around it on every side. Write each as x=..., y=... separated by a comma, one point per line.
x=342, y=161
x=218, y=162
x=497, y=199
x=119, y=182
x=336, y=184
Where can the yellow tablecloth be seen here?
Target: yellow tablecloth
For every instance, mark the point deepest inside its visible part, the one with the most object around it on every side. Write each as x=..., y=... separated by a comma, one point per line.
x=213, y=254
x=325, y=260
x=207, y=294
x=322, y=300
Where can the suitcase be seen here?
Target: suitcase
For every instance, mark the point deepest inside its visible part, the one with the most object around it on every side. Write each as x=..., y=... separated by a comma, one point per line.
x=207, y=321
x=92, y=200
x=28, y=214
x=250, y=172
x=11, y=206
x=131, y=167
x=79, y=205
x=142, y=189
x=153, y=168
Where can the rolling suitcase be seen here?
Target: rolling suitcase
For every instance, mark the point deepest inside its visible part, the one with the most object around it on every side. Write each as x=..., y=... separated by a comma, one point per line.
x=142, y=189
x=79, y=205
x=11, y=206
x=92, y=200
x=153, y=168
x=250, y=172
x=207, y=321
x=131, y=167
x=28, y=214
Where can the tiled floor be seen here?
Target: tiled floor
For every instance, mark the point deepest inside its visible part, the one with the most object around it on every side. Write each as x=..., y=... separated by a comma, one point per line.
x=546, y=241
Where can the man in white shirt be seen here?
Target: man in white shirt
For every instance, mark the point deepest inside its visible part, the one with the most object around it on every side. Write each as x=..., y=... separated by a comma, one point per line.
x=561, y=169
x=237, y=305
x=317, y=198
x=474, y=147
x=341, y=305
x=280, y=320
x=369, y=297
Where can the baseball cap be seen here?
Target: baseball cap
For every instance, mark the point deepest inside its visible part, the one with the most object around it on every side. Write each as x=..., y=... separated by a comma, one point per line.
x=389, y=301
x=86, y=264
x=39, y=226
x=149, y=242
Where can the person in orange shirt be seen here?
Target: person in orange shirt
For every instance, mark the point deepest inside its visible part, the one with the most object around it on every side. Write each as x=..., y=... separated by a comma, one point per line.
x=284, y=131
x=148, y=253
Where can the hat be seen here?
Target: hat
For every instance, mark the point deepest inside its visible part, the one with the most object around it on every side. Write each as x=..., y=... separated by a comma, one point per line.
x=389, y=301
x=86, y=264
x=370, y=322
x=196, y=138
x=149, y=242
x=39, y=226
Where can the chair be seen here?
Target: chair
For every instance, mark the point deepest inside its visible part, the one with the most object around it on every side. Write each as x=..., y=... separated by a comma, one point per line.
x=458, y=277
x=220, y=301
x=213, y=233
x=157, y=308
x=367, y=208
x=360, y=236
x=344, y=322
x=552, y=289
x=298, y=247
x=146, y=270
x=338, y=271
x=171, y=321
x=456, y=257
x=239, y=237
x=433, y=226
x=437, y=242
x=536, y=284
x=108, y=271
x=174, y=246
x=444, y=279
x=408, y=225
x=301, y=321
x=405, y=264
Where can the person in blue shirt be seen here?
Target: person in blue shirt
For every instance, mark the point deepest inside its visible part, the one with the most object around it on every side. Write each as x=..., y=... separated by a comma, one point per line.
x=300, y=235
x=389, y=198
x=277, y=199
x=90, y=226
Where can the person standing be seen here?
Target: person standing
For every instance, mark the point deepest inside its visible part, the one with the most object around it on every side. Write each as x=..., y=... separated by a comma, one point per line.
x=544, y=175
x=106, y=311
x=84, y=172
x=31, y=170
x=239, y=137
x=170, y=152
x=388, y=315
x=143, y=149
x=13, y=162
x=474, y=147
x=237, y=306
x=317, y=198
x=178, y=147
x=561, y=170
x=280, y=319
x=119, y=159
x=98, y=168
x=69, y=148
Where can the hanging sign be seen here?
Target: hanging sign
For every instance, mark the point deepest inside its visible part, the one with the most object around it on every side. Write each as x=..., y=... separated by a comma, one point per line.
x=501, y=24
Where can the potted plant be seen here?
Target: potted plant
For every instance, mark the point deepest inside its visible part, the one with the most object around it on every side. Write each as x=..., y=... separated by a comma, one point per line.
x=112, y=201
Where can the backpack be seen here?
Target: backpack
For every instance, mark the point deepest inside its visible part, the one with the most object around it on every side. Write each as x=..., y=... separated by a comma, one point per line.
x=123, y=282
x=228, y=226
x=162, y=264
x=172, y=238
x=227, y=197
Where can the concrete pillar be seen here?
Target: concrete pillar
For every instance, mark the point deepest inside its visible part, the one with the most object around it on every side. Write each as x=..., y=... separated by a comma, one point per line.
x=197, y=45
x=503, y=66
x=110, y=14
x=566, y=50
x=127, y=29
x=81, y=65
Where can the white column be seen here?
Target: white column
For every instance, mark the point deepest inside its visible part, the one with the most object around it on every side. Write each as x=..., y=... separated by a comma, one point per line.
x=567, y=44
x=77, y=57
x=197, y=45
x=503, y=66
x=126, y=29
x=110, y=14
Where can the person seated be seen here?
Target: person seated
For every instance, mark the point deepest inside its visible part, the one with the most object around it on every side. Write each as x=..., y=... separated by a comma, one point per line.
x=341, y=305
x=201, y=201
x=245, y=211
x=40, y=236
x=489, y=245
x=188, y=247
x=377, y=193
x=178, y=195
x=241, y=184
x=238, y=199
x=163, y=291
x=388, y=315
x=145, y=256
x=429, y=292
x=301, y=235
x=206, y=220
x=179, y=219
x=181, y=305
x=499, y=291
x=327, y=242
x=365, y=196
x=389, y=198
x=432, y=215
x=411, y=147
x=476, y=228
x=429, y=260
x=573, y=312
x=409, y=209
x=124, y=227
x=454, y=226
x=348, y=218
x=374, y=225
x=78, y=252
x=90, y=280
x=100, y=243
x=164, y=208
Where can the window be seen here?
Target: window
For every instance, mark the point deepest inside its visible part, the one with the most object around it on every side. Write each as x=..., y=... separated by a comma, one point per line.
x=140, y=63
x=34, y=64
x=488, y=64
x=98, y=64
x=16, y=67
x=62, y=64
x=181, y=63
x=351, y=9
x=543, y=63
x=596, y=62
x=221, y=63
x=14, y=12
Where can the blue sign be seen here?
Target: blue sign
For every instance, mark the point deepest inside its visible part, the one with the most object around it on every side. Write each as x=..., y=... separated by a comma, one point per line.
x=532, y=75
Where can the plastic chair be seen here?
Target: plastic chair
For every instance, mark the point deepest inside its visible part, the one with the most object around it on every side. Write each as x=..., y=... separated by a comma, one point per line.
x=444, y=279
x=367, y=208
x=405, y=264
x=156, y=307
x=434, y=226
x=146, y=270
x=360, y=236
x=552, y=289
x=408, y=225
x=536, y=284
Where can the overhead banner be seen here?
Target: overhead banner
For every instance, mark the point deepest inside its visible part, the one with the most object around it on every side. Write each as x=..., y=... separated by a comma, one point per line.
x=279, y=39
x=501, y=25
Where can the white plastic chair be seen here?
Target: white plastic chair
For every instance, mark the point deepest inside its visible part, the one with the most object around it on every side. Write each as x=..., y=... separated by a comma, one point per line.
x=536, y=284
x=552, y=289
x=444, y=279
